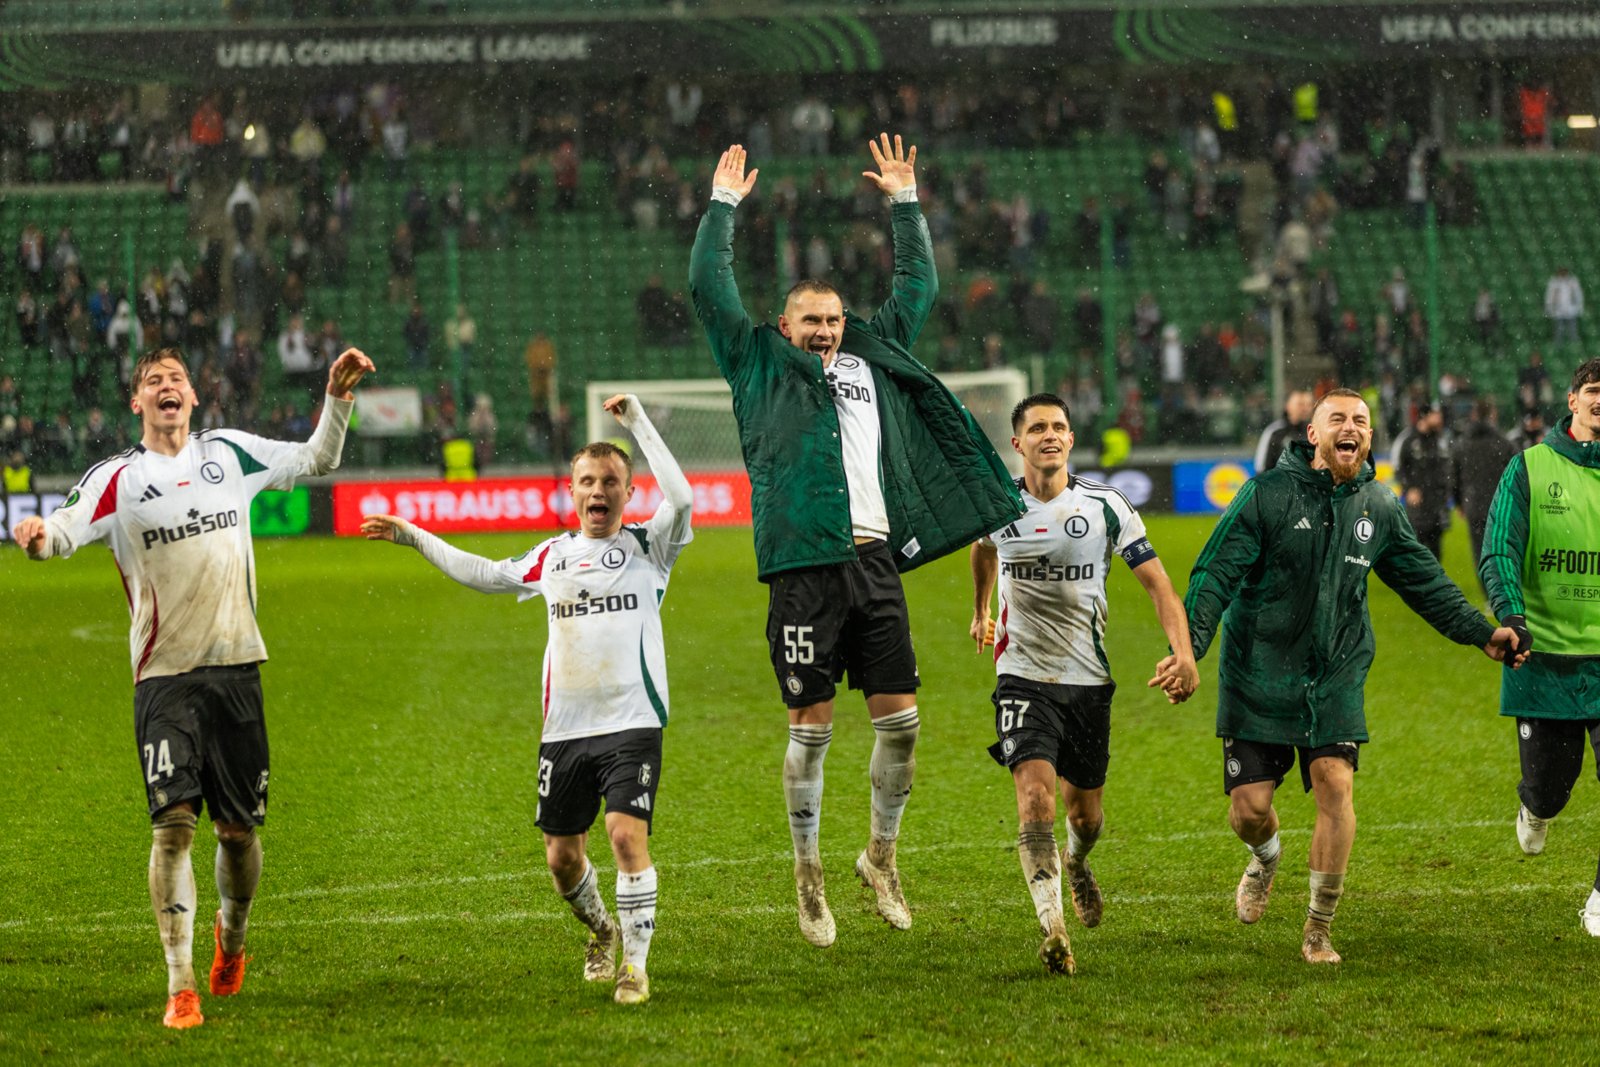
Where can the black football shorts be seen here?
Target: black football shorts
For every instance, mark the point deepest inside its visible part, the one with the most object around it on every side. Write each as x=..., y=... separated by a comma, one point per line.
x=847, y=617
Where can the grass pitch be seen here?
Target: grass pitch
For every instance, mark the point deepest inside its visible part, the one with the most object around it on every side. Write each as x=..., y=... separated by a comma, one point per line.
x=406, y=915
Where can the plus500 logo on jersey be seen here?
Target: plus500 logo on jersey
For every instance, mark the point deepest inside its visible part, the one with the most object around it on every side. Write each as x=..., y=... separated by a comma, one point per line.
x=202, y=524
x=1043, y=570
x=600, y=605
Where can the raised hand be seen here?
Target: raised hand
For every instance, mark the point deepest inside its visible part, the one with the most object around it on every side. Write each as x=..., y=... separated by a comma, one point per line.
x=381, y=527
x=895, y=165
x=730, y=172
x=623, y=405
x=351, y=366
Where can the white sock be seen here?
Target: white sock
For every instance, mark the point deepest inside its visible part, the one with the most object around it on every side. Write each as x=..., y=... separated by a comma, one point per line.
x=585, y=900
x=172, y=894
x=1268, y=850
x=1041, y=868
x=894, y=763
x=1079, y=844
x=802, y=787
x=1326, y=889
x=238, y=872
x=636, y=914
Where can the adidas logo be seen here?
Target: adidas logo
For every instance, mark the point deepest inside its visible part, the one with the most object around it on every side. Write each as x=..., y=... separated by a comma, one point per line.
x=1303, y=524
x=642, y=802
x=150, y=494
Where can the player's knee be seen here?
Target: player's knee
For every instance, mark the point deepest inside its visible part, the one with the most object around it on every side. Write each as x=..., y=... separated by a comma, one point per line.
x=630, y=846
x=565, y=858
x=1334, y=785
x=1250, y=809
x=1035, y=802
x=235, y=837
x=173, y=828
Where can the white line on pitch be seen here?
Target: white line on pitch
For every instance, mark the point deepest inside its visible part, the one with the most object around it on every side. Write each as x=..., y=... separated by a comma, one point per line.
x=994, y=845
x=562, y=916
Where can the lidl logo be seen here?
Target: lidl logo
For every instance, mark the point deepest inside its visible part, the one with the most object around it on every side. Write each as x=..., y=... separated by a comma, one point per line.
x=1223, y=483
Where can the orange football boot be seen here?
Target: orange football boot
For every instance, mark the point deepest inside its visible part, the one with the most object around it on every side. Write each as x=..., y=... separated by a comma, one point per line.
x=183, y=1010
x=227, y=969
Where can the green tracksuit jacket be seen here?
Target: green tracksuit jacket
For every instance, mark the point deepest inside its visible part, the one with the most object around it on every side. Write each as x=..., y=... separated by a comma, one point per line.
x=1285, y=573
x=1547, y=686
x=943, y=485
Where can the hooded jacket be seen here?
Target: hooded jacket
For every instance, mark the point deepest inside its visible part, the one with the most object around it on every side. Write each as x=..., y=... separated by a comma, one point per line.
x=1285, y=575
x=943, y=484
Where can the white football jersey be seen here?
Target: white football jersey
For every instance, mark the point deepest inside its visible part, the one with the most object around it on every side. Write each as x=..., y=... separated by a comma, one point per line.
x=605, y=663
x=1053, y=564
x=179, y=528
x=855, y=399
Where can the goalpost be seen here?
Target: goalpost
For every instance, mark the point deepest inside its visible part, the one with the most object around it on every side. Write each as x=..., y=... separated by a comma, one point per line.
x=695, y=417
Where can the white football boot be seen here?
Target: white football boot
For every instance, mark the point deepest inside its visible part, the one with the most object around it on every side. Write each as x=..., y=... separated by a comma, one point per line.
x=1531, y=830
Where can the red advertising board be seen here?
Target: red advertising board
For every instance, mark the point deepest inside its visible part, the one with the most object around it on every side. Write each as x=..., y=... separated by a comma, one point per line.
x=721, y=498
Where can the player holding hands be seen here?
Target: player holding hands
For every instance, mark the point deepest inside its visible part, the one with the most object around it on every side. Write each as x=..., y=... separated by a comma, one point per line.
x=1053, y=695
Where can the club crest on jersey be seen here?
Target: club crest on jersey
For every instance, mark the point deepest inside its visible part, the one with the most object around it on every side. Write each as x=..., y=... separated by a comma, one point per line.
x=1363, y=529
x=1009, y=746
x=614, y=557
x=1077, y=526
x=1234, y=768
x=1526, y=730
x=211, y=471
x=644, y=774
x=72, y=498
x=793, y=685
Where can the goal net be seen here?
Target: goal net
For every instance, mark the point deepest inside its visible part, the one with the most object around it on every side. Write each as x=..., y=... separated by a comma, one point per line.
x=695, y=417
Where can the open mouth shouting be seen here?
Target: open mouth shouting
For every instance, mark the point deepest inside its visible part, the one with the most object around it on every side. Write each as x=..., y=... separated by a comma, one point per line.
x=1347, y=449
x=171, y=404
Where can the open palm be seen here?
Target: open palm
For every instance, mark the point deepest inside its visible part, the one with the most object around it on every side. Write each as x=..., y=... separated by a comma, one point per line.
x=895, y=165
x=730, y=172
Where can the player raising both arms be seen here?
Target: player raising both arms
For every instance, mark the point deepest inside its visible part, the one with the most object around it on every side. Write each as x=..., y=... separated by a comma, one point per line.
x=862, y=465
x=604, y=682
x=175, y=511
x=1285, y=576
x=1053, y=696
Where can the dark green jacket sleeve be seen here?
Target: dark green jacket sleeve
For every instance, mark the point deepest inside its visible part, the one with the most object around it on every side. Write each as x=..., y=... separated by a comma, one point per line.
x=1410, y=570
x=916, y=282
x=715, y=293
x=1219, y=572
x=1505, y=541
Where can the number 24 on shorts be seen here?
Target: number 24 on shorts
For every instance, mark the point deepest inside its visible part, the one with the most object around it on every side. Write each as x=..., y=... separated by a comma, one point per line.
x=157, y=762
x=797, y=646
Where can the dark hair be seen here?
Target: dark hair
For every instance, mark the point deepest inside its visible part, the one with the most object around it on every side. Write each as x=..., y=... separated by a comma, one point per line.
x=809, y=285
x=1037, y=400
x=1329, y=395
x=603, y=450
x=150, y=359
x=1588, y=371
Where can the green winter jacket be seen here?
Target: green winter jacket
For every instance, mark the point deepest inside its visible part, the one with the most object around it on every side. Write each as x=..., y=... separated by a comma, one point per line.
x=1548, y=686
x=1285, y=572
x=943, y=485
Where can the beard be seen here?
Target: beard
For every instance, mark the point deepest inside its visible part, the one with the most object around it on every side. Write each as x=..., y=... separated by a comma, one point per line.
x=1343, y=468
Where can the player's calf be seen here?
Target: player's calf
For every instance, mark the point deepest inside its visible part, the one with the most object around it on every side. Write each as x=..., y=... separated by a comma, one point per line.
x=172, y=897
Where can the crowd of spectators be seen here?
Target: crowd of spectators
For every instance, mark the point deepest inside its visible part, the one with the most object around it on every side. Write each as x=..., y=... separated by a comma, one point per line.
x=294, y=168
